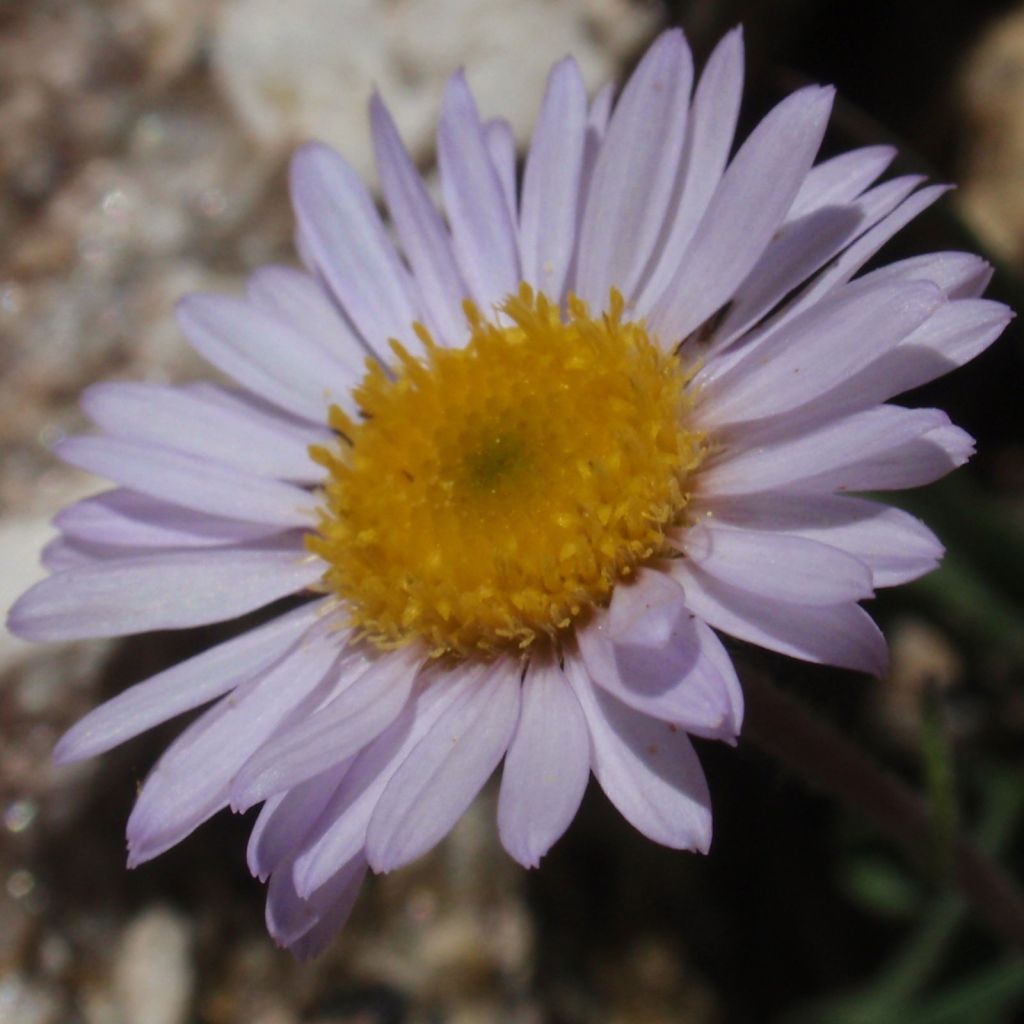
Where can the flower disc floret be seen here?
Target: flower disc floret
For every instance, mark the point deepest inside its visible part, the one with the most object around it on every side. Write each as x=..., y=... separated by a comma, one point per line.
x=492, y=494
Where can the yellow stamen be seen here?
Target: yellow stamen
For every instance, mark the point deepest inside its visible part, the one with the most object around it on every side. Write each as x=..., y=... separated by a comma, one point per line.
x=492, y=494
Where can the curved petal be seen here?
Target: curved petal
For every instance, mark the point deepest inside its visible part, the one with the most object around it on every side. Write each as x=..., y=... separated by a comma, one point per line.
x=182, y=687
x=501, y=146
x=650, y=652
x=840, y=179
x=835, y=634
x=285, y=819
x=444, y=771
x=647, y=768
x=546, y=768
x=170, y=590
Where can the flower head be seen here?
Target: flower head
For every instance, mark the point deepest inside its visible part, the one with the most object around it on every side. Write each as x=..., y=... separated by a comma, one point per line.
x=518, y=469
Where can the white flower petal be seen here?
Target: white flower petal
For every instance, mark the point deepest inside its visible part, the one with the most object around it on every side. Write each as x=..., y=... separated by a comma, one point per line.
x=647, y=768
x=546, y=768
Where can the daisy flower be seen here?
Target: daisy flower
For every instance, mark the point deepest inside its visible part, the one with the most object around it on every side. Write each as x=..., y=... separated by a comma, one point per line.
x=516, y=467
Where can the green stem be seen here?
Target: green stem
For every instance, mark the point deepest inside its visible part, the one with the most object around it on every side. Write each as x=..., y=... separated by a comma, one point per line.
x=817, y=752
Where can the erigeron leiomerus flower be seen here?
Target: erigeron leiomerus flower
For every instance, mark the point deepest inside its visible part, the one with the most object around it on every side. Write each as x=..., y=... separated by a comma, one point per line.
x=518, y=468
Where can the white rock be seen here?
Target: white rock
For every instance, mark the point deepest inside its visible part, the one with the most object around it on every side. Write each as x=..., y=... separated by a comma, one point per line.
x=305, y=69
x=153, y=975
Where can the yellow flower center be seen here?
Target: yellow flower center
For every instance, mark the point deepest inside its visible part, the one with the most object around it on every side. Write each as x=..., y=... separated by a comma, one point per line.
x=490, y=495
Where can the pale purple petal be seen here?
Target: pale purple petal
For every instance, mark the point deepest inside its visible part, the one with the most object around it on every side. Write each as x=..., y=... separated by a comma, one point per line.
x=753, y=461
x=650, y=652
x=170, y=590
x=300, y=300
x=501, y=145
x=444, y=771
x=264, y=355
x=285, y=819
x=840, y=179
x=190, y=782
x=753, y=197
x=334, y=905
x=132, y=520
x=350, y=247
x=820, y=350
x=843, y=268
x=546, y=767
x=375, y=689
x=647, y=768
x=340, y=832
x=635, y=172
x=305, y=925
x=551, y=181
x=186, y=421
x=801, y=248
x=834, y=634
x=421, y=231
x=187, y=685
x=961, y=275
x=712, y=124
x=775, y=566
x=483, y=234
x=190, y=480
x=894, y=545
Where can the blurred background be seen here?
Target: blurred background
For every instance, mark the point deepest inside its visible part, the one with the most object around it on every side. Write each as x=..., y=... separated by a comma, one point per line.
x=143, y=146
